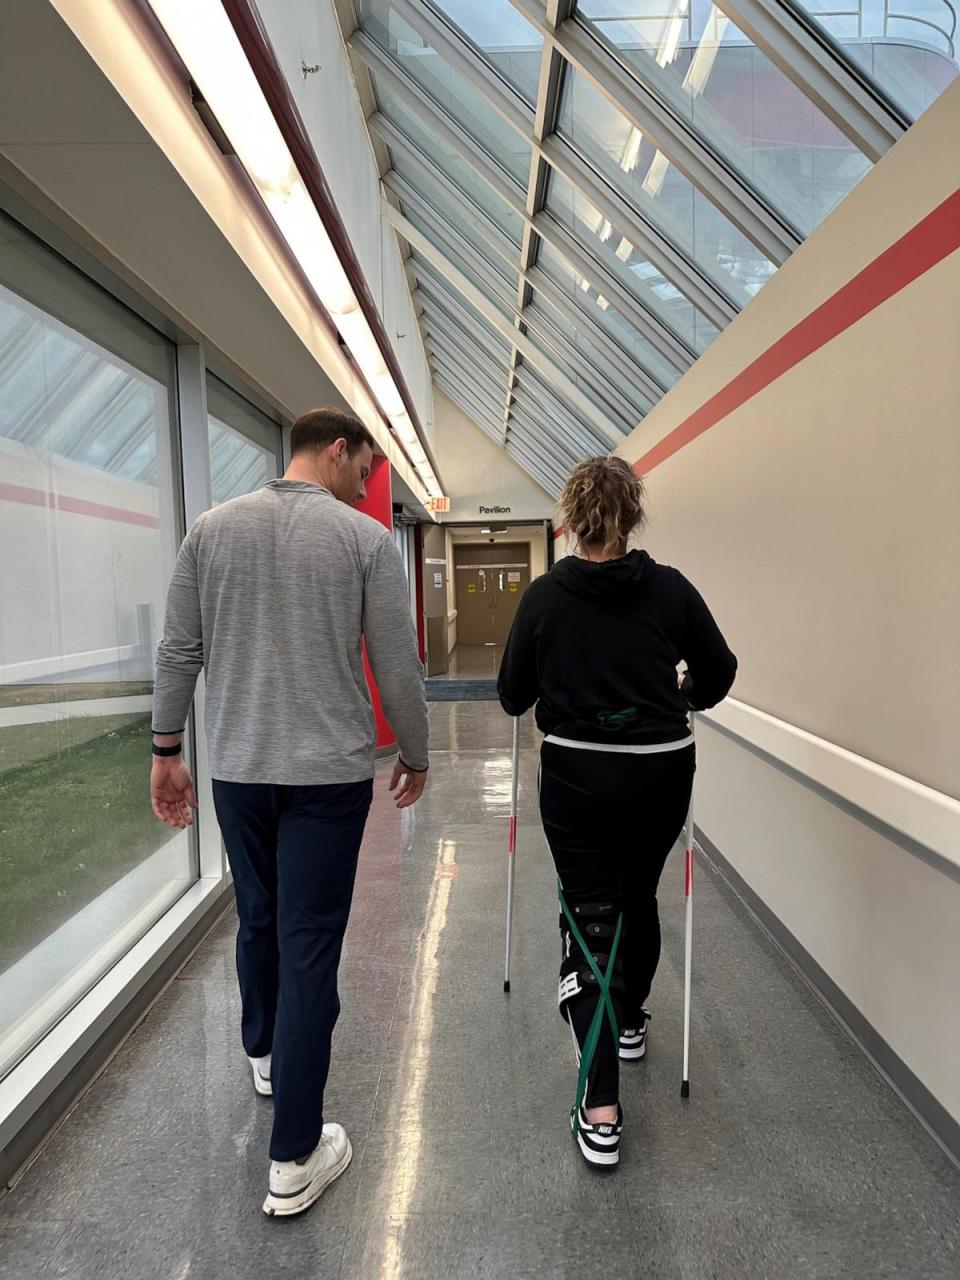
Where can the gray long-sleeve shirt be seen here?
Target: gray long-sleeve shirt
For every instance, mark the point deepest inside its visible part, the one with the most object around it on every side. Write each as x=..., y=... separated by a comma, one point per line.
x=271, y=595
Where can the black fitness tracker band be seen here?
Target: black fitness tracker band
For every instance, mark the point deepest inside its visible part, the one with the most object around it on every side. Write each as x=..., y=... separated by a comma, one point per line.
x=168, y=751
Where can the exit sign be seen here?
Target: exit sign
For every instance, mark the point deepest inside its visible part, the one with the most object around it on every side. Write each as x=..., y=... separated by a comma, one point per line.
x=438, y=503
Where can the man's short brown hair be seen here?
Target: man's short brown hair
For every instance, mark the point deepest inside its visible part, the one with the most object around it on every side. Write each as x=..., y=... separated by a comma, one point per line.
x=319, y=428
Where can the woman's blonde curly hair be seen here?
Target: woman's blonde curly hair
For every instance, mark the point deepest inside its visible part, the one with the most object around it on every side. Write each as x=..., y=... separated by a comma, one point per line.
x=602, y=503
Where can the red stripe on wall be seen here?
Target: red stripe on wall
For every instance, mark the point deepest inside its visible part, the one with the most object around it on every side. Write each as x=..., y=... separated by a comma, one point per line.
x=928, y=243
x=76, y=506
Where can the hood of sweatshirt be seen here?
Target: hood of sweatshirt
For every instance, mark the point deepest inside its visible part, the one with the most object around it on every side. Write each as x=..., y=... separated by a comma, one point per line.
x=608, y=579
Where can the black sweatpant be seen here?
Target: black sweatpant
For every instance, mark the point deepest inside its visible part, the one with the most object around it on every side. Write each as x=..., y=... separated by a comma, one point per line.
x=293, y=853
x=611, y=819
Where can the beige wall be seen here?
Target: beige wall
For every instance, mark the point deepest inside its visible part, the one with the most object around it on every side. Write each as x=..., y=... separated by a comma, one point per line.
x=821, y=521
x=476, y=472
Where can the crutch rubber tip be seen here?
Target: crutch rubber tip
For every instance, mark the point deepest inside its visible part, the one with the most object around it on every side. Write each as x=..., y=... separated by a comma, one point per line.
x=685, y=1089
x=506, y=986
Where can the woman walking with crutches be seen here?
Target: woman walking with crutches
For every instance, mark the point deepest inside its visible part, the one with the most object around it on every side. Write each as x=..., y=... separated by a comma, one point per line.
x=596, y=645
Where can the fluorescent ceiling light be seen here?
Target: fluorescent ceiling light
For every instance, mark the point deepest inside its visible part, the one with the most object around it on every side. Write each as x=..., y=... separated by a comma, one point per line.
x=206, y=42
x=624, y=249
x=363, y=345
x=602, y=303
x=385, y=389
x=698, y=74
x=404, y=427
x=653, y=182
x=584, y=284
x=606, y=230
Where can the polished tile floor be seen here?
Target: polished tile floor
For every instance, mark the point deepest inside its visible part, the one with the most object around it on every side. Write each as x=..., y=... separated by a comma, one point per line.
x=791, y=1160
x=473, y=661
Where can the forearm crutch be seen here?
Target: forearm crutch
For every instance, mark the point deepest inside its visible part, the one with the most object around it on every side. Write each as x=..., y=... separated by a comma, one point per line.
x=512, y=844
x=688, y=936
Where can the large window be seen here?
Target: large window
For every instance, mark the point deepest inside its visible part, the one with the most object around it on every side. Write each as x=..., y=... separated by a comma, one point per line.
x=244, y=444
x=89, y=527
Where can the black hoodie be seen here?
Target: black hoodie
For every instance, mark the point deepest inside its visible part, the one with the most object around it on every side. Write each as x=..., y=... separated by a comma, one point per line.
x=597, y=646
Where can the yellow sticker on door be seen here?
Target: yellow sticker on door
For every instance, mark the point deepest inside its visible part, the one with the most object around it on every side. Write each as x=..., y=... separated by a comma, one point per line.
x=514, y=586
x=472, y=588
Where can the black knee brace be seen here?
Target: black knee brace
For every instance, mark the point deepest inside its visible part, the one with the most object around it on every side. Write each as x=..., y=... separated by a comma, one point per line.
x=597, y=922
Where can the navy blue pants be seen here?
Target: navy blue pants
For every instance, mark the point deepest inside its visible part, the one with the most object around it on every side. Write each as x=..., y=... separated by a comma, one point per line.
x=293, y=853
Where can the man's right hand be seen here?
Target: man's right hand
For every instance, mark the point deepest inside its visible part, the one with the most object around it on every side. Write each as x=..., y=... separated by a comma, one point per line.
x=410, y=784
x=171, y=792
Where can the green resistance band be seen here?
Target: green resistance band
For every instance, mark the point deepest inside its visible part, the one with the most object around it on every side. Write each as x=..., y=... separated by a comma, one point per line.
x=604, y=1004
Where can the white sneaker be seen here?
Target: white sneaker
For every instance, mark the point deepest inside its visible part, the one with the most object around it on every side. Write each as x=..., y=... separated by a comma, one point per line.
x=599, y=1143
x=633, y=1040
x=261, y=1076
x=296, y=1184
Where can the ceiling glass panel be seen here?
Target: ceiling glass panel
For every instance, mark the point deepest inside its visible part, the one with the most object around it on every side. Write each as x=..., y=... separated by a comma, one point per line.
x=448, y=298
x=621, y=259
x=531, y=448
x=473, y=364
x=491, y=397
x=461, y=396
x=531, y=443
x=446, y=337
x=591, y=386
x=555, y=410
x=910, y=50
x=464, y=217
x=659, y=192
x=544, y=434
x=576, y=331
x=496, y=291
x=541, y=474
x=731, y=93
x=505, y=38
x=462, y=324
x=582, y=296
x=437, y=78
x=600, y=379
x=458, y=347
x=535, y=457
x=451, y=165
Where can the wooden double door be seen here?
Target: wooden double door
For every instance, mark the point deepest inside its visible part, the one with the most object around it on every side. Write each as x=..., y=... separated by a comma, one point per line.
x=490, y=582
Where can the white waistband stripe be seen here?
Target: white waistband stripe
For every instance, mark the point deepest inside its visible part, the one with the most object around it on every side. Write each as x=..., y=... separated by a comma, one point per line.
x=622, y=748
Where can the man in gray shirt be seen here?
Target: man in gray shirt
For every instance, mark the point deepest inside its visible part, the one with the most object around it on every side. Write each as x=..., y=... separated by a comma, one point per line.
x=273, y=595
